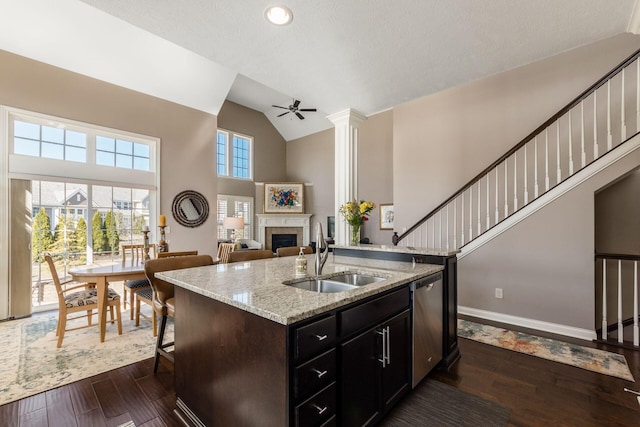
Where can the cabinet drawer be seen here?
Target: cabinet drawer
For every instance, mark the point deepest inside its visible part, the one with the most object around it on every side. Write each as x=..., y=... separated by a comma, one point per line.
x=330, y=423
x=314, y=337
x=318, y=408
x=368, y=314
x=314, y=374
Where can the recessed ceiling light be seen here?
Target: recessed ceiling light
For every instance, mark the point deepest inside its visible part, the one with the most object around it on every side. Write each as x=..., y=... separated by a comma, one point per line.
x=278, y=15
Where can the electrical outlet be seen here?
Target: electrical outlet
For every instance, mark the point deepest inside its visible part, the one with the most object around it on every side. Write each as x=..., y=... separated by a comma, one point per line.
x=499, y=293
x=167, y=229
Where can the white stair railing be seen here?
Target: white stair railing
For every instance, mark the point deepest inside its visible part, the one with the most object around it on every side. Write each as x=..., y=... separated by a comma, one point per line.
x=509, y=180
x=625, y=268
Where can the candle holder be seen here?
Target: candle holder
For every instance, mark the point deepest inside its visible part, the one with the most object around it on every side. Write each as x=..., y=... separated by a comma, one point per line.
x=145, y=249
x=163, y=246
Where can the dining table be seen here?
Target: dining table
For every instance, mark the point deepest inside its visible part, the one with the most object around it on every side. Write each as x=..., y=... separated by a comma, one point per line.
x=101, y=276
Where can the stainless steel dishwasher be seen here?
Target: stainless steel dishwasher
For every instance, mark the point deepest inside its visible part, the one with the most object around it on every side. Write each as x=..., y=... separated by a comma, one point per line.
x=427, y=325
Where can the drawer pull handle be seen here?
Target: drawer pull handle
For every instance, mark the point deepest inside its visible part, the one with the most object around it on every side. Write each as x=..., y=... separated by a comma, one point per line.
x=322, y=337
x=319, y=409
x=320, y=373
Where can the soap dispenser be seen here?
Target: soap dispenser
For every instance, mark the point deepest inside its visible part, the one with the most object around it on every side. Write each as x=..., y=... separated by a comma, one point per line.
x=301, y=264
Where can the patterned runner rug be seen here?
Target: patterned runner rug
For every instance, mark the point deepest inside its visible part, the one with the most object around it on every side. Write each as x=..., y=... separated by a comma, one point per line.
x=591, y=359
x=30, y=363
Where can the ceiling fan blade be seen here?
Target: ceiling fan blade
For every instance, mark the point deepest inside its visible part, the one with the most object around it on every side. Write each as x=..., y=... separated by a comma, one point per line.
x=277, y=106
x=286, y=112
x=296, y=103
x=307, y=109
x=300, y=116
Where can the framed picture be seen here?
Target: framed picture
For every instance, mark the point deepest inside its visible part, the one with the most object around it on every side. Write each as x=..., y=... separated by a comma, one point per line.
x=386, y=217
x=284, y=197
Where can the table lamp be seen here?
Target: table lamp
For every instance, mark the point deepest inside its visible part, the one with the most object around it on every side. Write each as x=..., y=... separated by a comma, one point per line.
x=233, y=223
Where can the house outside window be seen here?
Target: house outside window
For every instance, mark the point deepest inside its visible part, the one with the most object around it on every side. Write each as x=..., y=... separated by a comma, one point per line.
x=234, y=155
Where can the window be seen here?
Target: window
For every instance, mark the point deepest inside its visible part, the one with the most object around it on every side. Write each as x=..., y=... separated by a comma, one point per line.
x=241, y=157
x=237, y=206
x=121, y=153
x=33, y=139
x=92, y=189
x=221, y=153
x=57, y=141
x=234, y=155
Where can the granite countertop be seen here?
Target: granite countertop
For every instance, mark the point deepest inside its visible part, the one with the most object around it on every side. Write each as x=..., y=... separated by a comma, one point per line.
x=399, y=249
x=256, y=286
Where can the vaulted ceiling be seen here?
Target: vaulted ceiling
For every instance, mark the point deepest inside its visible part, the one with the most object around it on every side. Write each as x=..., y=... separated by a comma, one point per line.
x=369, y=55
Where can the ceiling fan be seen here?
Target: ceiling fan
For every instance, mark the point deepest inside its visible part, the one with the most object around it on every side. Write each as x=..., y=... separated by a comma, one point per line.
x=293, y=108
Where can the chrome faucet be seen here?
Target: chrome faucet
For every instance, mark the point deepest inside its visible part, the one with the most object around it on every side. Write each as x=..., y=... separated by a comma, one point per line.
x=320, y=245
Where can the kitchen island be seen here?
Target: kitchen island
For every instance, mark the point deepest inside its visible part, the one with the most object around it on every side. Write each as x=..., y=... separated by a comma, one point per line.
x=252, y=351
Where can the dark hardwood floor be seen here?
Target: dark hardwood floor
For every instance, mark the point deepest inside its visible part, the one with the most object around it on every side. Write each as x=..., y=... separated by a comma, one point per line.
x=537, y=391
x=131, y=393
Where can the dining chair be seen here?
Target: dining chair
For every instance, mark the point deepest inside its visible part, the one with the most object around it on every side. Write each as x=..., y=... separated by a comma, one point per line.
x=293, y=250
x=132, y=255
x=163, y=295
x=145, y=295
x=224, y=249
x=79, y=297
x=172, y=254
x=238, y=256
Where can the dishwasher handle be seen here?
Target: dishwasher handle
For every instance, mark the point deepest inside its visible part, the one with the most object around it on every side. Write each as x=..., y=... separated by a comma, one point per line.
x=426, y=281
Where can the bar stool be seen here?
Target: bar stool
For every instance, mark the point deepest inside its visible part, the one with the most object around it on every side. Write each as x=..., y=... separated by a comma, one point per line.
x=163, y=295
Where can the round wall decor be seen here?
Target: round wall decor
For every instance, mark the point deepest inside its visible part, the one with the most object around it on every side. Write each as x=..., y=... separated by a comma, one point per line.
x=190, y=208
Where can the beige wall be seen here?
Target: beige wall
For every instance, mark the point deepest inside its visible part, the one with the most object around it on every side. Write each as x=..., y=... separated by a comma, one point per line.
x=375, y=171
x=544, y=263
x=617, y=210
x=442, y=141
x=187, y=136
x=312, y=159
x=269, y=147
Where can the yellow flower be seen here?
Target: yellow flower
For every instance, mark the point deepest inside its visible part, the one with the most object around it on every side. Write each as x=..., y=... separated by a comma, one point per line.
x=356, y=212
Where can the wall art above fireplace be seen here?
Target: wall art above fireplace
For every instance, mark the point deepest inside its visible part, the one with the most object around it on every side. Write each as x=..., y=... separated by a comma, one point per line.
x=283, y=197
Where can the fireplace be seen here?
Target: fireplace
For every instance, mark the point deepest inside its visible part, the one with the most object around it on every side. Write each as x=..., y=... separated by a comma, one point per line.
x=283, y=241
x=274, y=224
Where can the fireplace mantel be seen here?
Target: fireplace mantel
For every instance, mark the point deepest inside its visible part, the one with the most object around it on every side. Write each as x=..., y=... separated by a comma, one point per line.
x=283, y=221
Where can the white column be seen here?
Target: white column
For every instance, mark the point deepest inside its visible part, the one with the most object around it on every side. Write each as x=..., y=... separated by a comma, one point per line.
x=346, y=166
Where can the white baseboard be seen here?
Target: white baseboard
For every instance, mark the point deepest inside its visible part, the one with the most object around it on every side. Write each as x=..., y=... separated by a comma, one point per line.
x=554, y=328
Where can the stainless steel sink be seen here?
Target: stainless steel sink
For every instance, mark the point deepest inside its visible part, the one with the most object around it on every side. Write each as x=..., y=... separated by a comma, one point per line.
x=321, y=285
x=356, y=279
x=337, y=283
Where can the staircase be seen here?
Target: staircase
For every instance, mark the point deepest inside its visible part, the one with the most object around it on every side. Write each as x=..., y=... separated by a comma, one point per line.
x=592, y=131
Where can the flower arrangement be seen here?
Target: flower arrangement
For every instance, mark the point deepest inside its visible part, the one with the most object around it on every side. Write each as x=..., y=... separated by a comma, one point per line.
x=356, y=213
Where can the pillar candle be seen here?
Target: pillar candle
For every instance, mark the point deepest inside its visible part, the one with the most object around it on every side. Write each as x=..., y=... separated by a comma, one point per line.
x=163, y=221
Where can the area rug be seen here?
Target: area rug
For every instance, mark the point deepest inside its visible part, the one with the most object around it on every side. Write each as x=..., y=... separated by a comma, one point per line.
x=433, y=403
x=591, y=359
x=30, y=363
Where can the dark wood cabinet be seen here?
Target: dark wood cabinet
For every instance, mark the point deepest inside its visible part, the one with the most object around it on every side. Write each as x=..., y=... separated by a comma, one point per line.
x=396, y=375
x=348, y=366
x=314, y=372
x=375, y=370
x=360, y=378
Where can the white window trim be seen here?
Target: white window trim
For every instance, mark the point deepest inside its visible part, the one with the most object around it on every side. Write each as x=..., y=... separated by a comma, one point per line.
x=4, y=214
x=231, y=199
x=19, y=166
x=75, y=170
x=229, y=155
